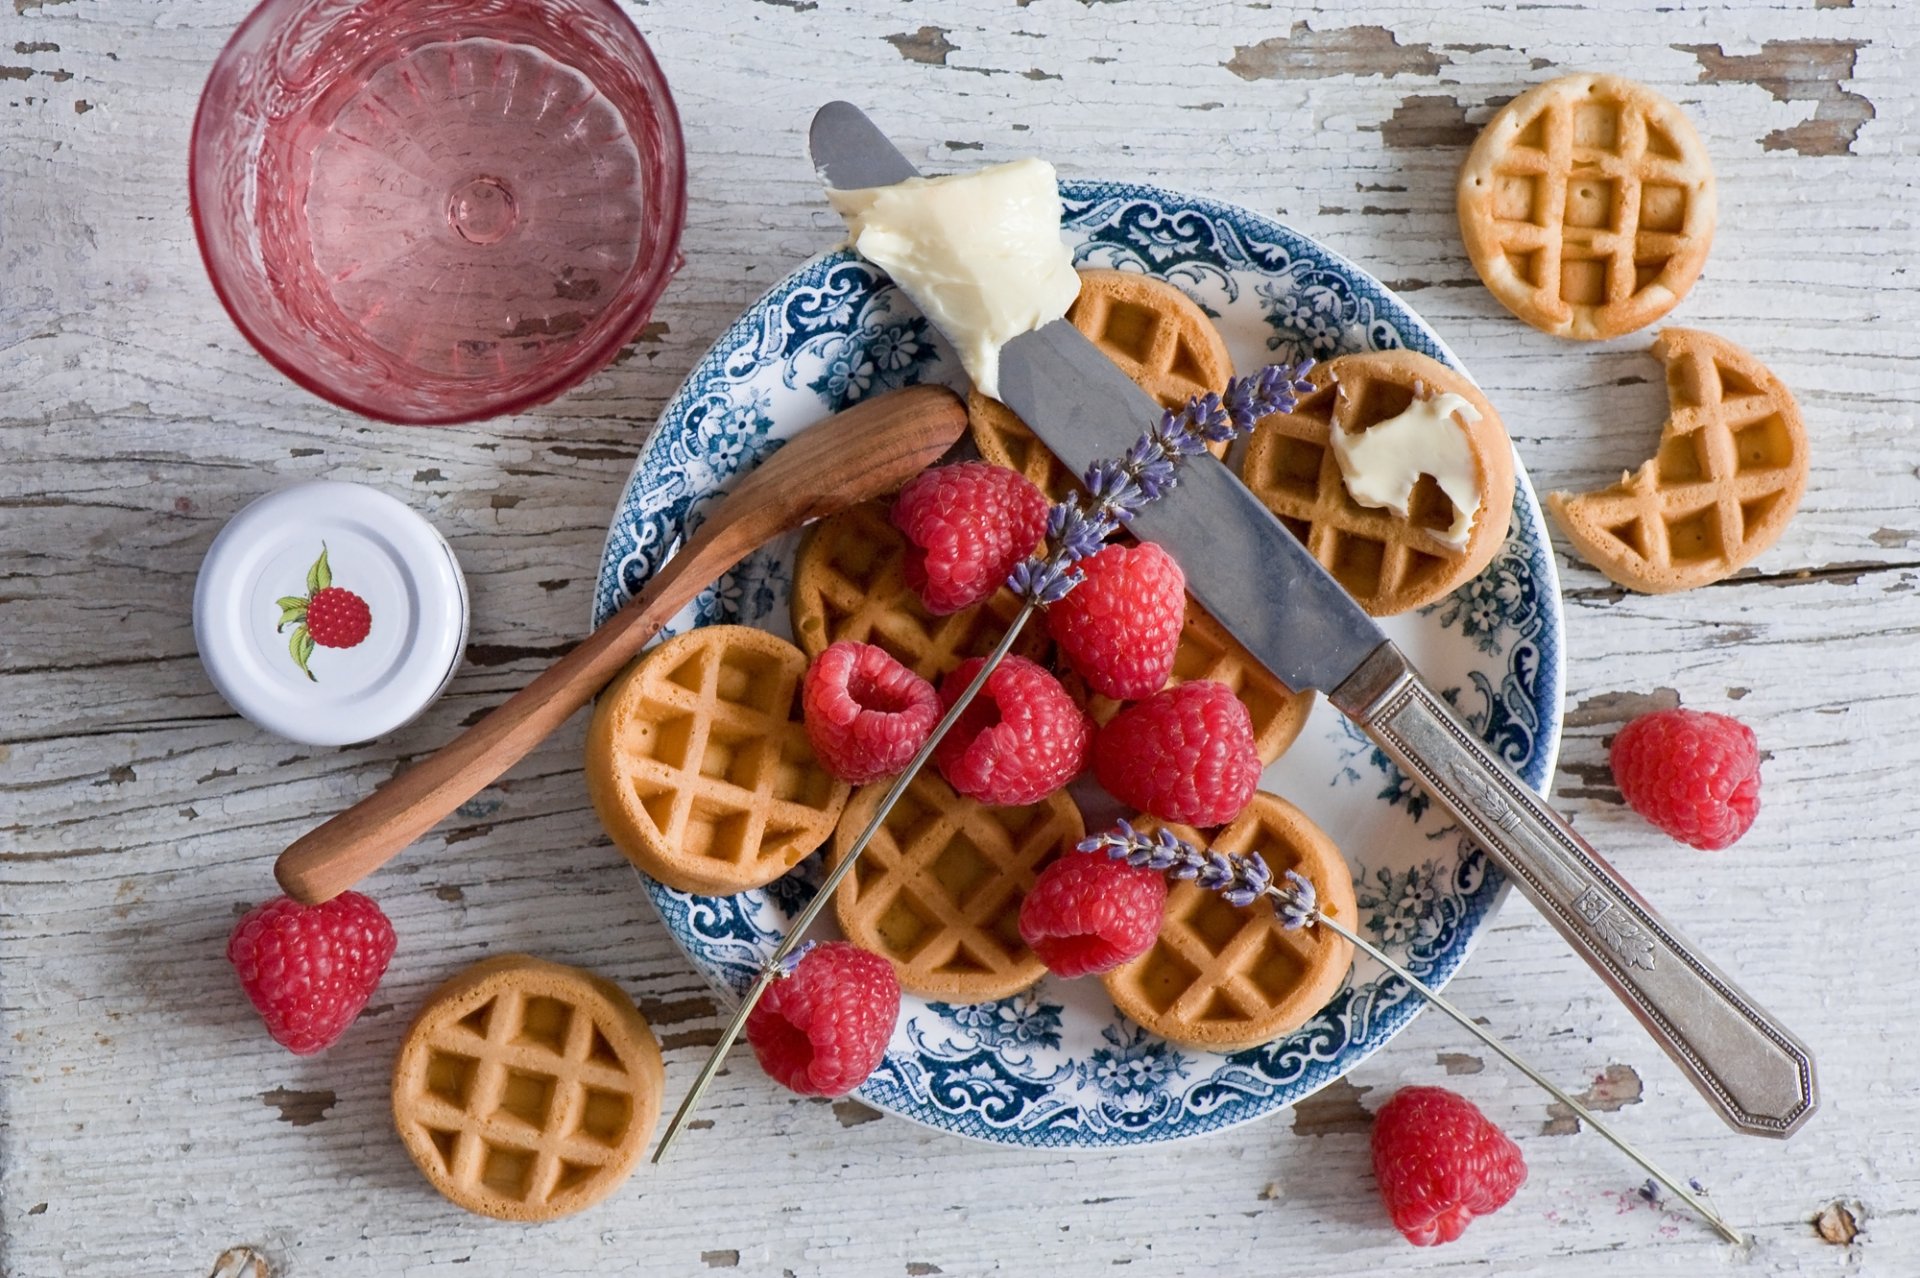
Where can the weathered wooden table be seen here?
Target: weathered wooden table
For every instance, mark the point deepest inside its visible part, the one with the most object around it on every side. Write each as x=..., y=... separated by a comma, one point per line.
x=147, y=1125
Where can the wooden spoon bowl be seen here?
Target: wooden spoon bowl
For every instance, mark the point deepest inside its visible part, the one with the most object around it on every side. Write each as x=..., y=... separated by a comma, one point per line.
x=865, y=452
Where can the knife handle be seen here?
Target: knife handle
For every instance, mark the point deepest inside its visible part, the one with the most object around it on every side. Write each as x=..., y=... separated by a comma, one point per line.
x=1756, y=1073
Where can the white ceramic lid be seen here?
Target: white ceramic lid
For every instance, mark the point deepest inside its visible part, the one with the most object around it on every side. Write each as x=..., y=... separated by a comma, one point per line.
x=330, y=613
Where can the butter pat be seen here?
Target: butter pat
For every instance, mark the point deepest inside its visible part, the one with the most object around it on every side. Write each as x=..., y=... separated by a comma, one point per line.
x=980, y=254
x=1381, y=465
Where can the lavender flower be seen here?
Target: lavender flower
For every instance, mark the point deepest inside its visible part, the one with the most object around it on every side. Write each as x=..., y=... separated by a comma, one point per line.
x=1240, y=878
x=1116, y=490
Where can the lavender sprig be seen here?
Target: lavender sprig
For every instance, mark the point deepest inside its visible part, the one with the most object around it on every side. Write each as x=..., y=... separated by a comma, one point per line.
x=1116, y=490
x=1240, y=877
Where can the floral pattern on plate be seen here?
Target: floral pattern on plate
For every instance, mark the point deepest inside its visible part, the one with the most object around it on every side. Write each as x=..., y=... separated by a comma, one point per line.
x=1056, y=1065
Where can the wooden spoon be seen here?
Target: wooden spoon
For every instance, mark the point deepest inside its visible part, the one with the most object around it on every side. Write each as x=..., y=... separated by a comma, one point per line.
x=865, y=452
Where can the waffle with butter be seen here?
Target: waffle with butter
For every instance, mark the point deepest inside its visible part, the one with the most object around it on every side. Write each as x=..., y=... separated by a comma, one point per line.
x=1388, y=563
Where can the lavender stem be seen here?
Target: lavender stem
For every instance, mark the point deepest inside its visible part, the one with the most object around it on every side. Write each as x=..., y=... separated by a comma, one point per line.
x=772, y=967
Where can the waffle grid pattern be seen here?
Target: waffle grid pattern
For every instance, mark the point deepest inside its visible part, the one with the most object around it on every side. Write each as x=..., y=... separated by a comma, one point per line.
x=525, y=1102
x=1594, y=215
x=850, y=584
x=938, y=890
x=1226, y=978
x=1157, y=336
x=1729, y=473
x=711, y=746
x=1387, y=563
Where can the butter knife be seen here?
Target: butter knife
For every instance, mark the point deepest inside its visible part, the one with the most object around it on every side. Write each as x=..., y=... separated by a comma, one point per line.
x=1261, y=584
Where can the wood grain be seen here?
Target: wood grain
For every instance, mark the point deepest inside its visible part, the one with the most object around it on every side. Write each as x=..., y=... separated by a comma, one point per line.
x=148, y=1127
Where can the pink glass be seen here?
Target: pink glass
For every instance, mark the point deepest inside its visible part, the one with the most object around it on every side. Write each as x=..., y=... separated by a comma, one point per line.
x=434, y=211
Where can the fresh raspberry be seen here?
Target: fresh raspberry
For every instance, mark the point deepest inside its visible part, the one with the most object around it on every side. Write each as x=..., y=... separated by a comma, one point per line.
x=1184, y=754
x=866, y=713
x=1440, y=1163
x=1087, y=913
x=1694, y=774
x=338, y=618
x=1020, y=740
x=823, y=1028
x=1120, y=626
x=309, y=969
x=967, y=525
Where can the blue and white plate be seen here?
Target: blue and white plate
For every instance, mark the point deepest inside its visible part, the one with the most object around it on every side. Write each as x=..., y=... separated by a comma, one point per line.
x=1057, y=1066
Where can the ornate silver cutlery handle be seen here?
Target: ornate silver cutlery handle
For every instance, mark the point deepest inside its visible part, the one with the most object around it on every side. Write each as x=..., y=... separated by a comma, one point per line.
x=1758, y=1075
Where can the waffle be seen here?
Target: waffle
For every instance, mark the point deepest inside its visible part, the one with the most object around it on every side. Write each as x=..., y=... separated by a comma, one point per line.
x=1151, y=330
x=526, y=1090
x=1729, y=473
x=848, y=583
x=1587, y=206
x=939, y=889
x=1387, y=563
x=1223, y=978
x=698, y=762
x=1207, y=651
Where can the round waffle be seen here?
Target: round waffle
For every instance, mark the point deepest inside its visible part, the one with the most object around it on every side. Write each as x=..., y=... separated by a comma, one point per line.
x=526, y=1090
x=699, y=766
x=1207, y=651
x=1729, y=473
x=849, y=583
x=1224, y=978
x=938, y=890
x=1152, y=330
x=1587, y=205
x=1387, y=563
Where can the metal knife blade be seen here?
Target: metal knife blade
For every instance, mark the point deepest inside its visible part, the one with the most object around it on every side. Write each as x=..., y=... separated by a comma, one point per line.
x=1262, y=584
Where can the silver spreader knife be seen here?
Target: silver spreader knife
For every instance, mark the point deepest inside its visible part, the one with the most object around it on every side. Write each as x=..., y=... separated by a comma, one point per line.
x=1263, y=586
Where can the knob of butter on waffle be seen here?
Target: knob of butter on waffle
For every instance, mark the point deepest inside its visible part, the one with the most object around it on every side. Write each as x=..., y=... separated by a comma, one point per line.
x=1390, y=560
x=527, y=1090
x=1225, y=978
x=1729, y=474
x=699, y=766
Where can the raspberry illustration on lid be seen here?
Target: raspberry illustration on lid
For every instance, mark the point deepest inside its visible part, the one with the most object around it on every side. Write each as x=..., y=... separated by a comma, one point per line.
x=328, y=615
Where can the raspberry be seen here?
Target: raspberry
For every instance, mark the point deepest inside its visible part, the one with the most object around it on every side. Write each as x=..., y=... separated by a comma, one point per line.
x=1019, y=741
x=1440, y=1163
x=823, y=1028
x=338, y=618
x=309, y=969
x=866, y=713
x=1695, y=775
x=1184, y=754
x=1087, y=913
x=967, y=525
x=1120, y=626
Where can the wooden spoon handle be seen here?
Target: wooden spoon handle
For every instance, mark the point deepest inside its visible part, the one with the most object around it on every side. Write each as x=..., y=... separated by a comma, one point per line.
x=332, y=858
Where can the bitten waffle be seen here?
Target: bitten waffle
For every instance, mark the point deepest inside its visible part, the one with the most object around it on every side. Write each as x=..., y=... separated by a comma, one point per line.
x=938, y=890
x=699, y=766
x=1152, y=330
x=1225, y=978
x=1728, y=476
x=1588, y=206
x=1387, y=563
x=526, y=1090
